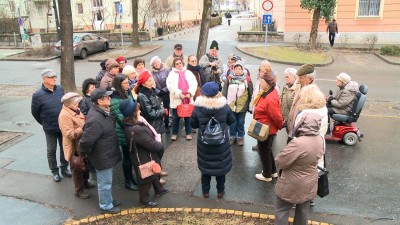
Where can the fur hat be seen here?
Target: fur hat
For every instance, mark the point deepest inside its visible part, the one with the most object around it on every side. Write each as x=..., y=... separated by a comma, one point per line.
x=344, y=78
x=210, y=89
x=214, y=45
x=127, y=106
x=305, y=69
x=153, y=60
x=111, y=63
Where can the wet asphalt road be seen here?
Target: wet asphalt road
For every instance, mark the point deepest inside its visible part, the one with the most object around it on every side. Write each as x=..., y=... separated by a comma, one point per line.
x=364, y=179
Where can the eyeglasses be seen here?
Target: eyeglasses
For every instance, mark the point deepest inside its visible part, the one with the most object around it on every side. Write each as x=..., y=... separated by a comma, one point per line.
x=125, y=82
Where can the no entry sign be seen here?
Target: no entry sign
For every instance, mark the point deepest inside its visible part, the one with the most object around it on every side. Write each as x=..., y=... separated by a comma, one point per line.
x=267, y=5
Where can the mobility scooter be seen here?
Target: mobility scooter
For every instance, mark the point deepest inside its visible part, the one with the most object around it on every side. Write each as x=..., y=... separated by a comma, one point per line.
x=344, y=126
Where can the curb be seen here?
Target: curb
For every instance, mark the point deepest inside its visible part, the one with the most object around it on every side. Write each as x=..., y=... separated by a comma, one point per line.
x=283, y=62
x=268, y=217
x=386, y=60
x=29, y=59
x=130, y=57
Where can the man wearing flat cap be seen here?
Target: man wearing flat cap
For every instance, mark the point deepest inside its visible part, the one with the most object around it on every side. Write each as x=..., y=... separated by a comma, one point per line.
x=100, y=142
x=307, y=76
x=45, y=108
x=178, y=53
x=212, y=65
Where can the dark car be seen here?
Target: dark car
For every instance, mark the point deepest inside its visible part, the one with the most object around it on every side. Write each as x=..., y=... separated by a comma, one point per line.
x=84, y=44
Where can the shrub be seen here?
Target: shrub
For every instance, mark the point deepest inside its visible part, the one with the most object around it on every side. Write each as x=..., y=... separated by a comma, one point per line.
x=392, y=50
x=370, y=41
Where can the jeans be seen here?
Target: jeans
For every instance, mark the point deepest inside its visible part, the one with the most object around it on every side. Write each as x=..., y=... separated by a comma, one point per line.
x=127, y=165
x=331, y=38
x=51, y=141
x=266, y=156
x=237, y=128
x=166, y=118
x=104, y=188
x=175, y=123
x=205, y=183
x=283, y=208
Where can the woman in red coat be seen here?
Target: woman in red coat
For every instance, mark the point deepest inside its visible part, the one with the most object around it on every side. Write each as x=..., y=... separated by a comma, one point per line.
x=267, y=110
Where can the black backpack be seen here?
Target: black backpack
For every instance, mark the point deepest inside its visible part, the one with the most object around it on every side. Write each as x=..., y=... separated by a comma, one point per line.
x=213, y=134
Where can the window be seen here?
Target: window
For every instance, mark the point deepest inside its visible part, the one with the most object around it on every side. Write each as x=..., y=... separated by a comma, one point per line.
x=79, y=8
x=12, y=6
x=369, y=7
x=97, y=3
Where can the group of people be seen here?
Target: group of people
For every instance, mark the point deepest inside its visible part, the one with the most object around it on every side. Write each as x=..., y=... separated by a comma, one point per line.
x=125, y=110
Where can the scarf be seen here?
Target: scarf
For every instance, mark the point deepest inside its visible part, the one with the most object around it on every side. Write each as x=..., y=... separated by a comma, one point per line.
x=182, y=82
x=157, y=136
x=234, y=79
x=260, y=94
x=201, y=80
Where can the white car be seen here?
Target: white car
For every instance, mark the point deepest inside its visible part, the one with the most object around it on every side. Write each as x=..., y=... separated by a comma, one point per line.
x=245, y=15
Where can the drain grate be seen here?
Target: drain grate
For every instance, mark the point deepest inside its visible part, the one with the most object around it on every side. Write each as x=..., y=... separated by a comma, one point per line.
x=9, y=138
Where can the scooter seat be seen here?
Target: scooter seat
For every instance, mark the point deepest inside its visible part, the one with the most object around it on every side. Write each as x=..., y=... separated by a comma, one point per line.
x=341, y=117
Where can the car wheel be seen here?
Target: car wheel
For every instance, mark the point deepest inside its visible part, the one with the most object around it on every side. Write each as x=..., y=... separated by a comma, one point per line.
x=350, y=138
x=83, y=53
x=105, y=47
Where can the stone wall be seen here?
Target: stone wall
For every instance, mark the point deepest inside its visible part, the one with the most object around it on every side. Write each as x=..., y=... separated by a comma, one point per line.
x=259, y=36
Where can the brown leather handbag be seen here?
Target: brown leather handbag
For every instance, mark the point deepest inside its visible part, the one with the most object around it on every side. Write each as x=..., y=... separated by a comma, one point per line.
x=79, y=163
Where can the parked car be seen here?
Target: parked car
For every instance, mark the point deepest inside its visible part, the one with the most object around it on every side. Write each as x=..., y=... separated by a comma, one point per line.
x=245, y=15
x=84, y=44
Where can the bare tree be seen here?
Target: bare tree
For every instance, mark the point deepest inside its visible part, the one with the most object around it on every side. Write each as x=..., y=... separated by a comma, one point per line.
x=67, y=52
x=245, y=4
x=135, y=25
x=204, y=28
x=162, y=10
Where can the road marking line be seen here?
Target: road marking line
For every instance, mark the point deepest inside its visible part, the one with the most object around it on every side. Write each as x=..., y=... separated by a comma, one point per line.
x=382, y=116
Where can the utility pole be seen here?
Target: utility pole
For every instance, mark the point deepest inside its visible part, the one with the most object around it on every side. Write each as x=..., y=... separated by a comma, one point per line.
x=57, y=20
x=180, y=13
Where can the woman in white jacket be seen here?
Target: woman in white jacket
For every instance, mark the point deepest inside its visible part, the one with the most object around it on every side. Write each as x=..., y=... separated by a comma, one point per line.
x=182, y=86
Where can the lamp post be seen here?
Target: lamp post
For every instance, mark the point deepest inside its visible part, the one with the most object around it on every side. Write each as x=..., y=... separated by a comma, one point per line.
x=55, y=6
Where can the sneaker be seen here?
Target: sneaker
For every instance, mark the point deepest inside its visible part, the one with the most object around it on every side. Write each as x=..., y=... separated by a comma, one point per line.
x=274, y=175
x=66, y=173
x=189, y=137
x=254, y=148
x=312, y=203
x=259, y=176
x=174, y=137
x=116, y=203
x=56, y=177
x=240, y=141
x=113, y=210
x=232, y=141
x=163, y=192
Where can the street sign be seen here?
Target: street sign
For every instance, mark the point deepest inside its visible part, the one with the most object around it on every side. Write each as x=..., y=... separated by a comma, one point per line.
x=267, y=19
x=120, y=9
x=267, y=5
x=20, y=22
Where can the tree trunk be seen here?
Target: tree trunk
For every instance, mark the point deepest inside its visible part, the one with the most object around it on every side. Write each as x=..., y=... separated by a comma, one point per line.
x=314, y=29
x=135, y=25
x=67, y=52
x=204, y=28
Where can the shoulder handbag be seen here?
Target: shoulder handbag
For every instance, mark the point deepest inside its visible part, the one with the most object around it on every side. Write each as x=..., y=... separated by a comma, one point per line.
x=147, y=169
x=78, y=163
x=185, y=109
x=323, y=184
x=258, y=130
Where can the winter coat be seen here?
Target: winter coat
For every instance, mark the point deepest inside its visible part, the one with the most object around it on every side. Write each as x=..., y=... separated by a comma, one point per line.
x=71, y=126
x=100, y=76
x=99, y=139
x=85, y=104
x=170, y=60
x=298, y=161
x=46, y=106
x=145, y=144
x=238, y=102
x=213, y=160
x=332, y=27
x=175, y=92
x=116, y=99
x=268, y=111
x=204, y=62
x=344, y=98
x=287, y=98
x=106, y=81
x=198, y=73
x=160, y=77
x=151, y=108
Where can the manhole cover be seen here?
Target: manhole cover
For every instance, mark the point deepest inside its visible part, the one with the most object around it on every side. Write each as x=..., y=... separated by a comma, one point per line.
x=9, y=138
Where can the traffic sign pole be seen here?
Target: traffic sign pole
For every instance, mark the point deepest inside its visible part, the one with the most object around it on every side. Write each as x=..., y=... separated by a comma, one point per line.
x=120, y=11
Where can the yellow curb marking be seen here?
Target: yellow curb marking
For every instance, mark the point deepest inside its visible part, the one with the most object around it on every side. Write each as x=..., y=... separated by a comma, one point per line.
x=139, y=210
x=230, y=212
x=255, y=215
x=187, y=210
x=197, y=210
x=214, y=211
x=264, y=216
x=124, y=212
x=85, y=220
x=92, y=219
x=147, y=210
x=222, y=211
x=205, y=210
x=171, y=210
x=238, y=213
x=108, y=215
x=163, y=210
x=178, y=210
x=247, y=214
x=132, y=211
x=155, y=210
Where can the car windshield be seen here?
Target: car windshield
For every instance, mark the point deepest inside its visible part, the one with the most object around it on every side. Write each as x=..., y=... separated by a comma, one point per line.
x=77, y=38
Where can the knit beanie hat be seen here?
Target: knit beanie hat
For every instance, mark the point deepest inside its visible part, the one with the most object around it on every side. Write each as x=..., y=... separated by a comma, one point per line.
x=210, y=89
x=269, y=78
x=143, y=77
x=120, y=59
x=238, y=63
x=214, y=45
x=111, y=63
x=128, y=69
x=127, y=106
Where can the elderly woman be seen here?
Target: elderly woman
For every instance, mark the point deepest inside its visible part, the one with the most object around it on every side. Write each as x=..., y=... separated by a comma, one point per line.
x=197, y=72
x=267, y=111
x=145, y=145
x=160, y=73
x=298, y=179
x=213, y=160
x=121, y=92
x=132, y=75
x=288, y=91
x=71, y=122
x=182, y=86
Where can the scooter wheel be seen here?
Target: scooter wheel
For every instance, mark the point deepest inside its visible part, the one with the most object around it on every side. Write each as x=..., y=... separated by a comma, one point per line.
x=350, y=138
